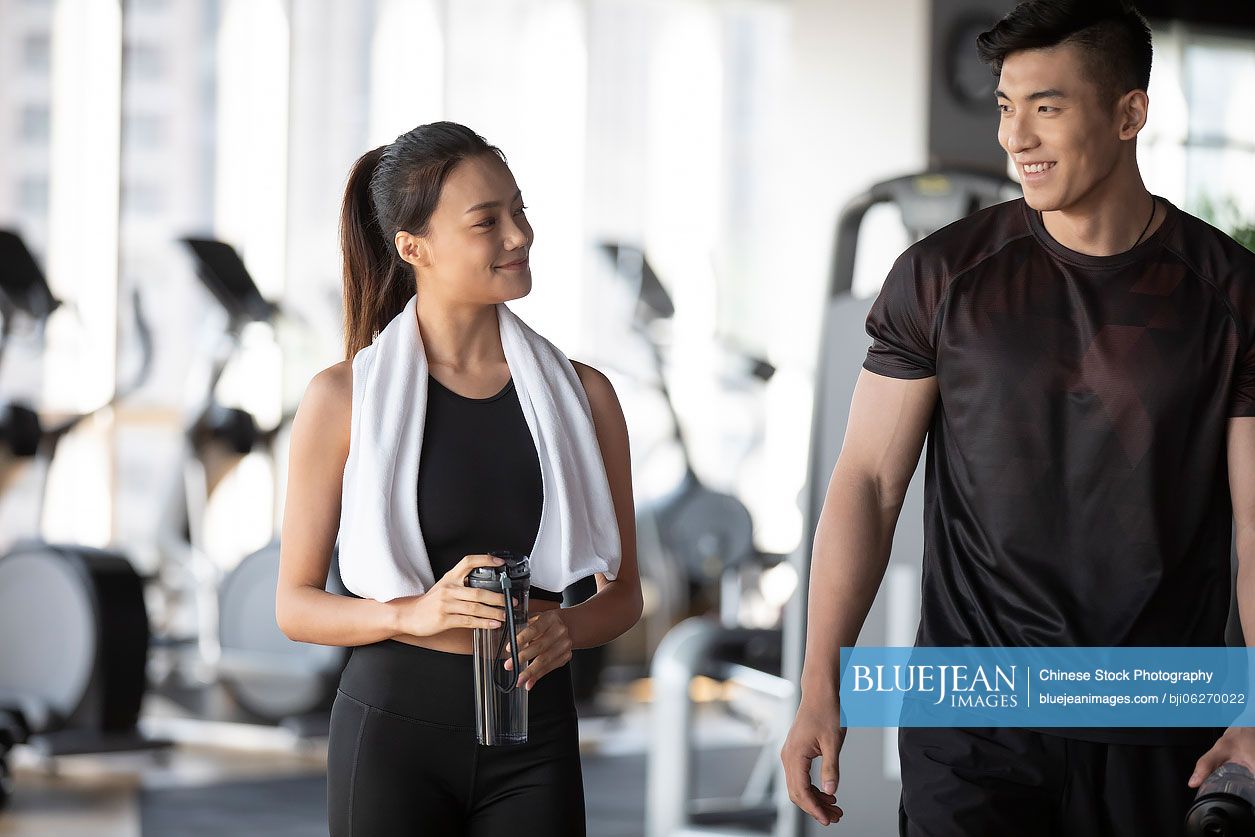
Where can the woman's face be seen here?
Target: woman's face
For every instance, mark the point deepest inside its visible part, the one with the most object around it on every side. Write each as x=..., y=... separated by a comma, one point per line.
x=477, y=242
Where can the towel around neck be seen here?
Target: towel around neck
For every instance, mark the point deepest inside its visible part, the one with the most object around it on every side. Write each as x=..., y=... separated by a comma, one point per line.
x=382, y=554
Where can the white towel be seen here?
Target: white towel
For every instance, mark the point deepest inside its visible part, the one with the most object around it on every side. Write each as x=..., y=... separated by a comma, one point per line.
x=382, y=554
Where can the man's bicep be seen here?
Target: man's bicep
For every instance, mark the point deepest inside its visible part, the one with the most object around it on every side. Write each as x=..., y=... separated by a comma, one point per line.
x=889, y=419
x=1242, y=481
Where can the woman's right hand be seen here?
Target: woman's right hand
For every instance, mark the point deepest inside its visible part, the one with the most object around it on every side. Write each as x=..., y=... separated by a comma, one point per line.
x=451, y=604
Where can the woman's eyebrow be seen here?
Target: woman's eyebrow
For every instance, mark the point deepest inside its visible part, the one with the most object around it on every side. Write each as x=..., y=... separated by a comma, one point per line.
x=492, y=204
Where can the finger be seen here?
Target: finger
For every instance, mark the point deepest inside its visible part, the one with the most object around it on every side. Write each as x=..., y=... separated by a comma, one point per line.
x=474, y=594
x=459, y=572
x=797, y=772
x=461, y=608
x=1206, y=764
x=534, y=650
x=525, y=656
x=829, y=770
x=474, y=622
x=541, y=666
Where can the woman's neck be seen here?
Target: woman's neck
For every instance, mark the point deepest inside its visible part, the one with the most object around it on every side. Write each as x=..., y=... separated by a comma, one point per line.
x=460, y=338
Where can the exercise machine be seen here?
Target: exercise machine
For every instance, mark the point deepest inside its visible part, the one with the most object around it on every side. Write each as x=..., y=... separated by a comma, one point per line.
x=73, y=623
x=237, y=642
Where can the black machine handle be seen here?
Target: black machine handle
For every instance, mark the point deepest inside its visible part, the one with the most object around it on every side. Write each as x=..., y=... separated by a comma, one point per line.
x=928, y=201
x=24, y=289
x=222, y=271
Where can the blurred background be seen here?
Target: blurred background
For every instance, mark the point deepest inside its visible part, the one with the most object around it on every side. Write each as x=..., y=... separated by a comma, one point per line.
x=717, y=189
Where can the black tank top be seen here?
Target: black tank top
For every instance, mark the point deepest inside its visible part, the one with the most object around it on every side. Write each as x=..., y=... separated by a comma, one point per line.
x=479, y=483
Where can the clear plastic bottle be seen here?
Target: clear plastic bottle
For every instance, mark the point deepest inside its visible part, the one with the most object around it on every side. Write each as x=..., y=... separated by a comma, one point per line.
x=500, y=705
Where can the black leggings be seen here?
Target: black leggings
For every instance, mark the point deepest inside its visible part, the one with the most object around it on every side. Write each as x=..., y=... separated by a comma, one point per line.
x=403, y=759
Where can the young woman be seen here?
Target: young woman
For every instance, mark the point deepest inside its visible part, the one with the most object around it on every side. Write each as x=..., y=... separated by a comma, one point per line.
x=434, y=240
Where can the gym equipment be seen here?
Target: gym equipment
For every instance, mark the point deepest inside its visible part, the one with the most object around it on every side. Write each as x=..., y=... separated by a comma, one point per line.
x=927, y=202
x=694, y=543
x=238, y=640
x=1225, y=805
x=73, y=623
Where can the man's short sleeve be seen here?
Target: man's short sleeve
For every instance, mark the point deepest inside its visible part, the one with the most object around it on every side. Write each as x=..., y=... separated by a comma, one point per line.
x=900, y=324
x=1243, y=401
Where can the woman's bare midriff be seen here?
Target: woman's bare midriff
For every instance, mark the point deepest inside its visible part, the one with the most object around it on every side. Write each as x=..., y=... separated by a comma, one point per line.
x=458, y=640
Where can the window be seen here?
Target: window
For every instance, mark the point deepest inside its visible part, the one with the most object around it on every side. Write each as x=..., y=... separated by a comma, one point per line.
x=142, y=61
x=1200, y=136
x=141, y=199
x=35, y=124
x=32, y=195
x=143, y=130
x=37, y=52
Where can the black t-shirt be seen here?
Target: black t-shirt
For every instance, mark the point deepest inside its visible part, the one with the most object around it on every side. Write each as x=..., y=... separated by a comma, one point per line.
x=1076, y=487
x=479, y=480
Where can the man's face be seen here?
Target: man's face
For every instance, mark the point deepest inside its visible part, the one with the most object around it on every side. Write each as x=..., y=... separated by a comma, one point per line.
x=1061, y=133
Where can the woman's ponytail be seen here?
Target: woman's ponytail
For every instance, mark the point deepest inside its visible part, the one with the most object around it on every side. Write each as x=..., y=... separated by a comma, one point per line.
x=377, y=284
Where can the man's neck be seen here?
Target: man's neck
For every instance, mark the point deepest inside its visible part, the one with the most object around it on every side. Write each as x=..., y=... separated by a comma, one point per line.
x=1108, y=221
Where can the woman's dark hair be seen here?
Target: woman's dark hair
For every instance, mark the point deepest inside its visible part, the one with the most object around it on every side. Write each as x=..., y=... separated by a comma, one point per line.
x=392, y=188
x=1112, y=34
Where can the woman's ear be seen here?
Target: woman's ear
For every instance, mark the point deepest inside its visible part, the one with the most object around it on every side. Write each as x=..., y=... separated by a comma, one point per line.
x=414, y=250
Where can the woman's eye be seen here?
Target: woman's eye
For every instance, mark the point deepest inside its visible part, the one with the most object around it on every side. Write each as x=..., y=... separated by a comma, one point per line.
x=519, y=211
x=487, y=222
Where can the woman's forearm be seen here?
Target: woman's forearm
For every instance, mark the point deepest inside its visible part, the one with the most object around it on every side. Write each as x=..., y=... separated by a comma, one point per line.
x=307, y=614
x=608, y=614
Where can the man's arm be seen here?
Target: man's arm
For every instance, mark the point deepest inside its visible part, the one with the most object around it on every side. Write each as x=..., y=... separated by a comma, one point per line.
x=1238, y=743
x=1242, y=490
x=889, y=419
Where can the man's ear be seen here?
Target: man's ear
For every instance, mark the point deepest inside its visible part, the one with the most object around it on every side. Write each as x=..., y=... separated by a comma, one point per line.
x=413, y=249
x=1131, y=110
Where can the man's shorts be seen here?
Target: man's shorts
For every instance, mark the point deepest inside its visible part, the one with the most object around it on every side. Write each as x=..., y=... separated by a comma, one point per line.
x=1002, y=782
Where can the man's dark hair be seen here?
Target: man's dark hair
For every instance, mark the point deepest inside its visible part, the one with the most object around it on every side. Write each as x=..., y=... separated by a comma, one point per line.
x=1112, y=35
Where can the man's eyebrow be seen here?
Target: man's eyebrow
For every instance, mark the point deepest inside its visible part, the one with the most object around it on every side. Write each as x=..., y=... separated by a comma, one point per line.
x=1052, y=93
x=492, y=204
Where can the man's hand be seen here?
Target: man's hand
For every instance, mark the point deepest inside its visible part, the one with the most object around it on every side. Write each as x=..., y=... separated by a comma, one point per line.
x=816, y=733
x=1237, y=745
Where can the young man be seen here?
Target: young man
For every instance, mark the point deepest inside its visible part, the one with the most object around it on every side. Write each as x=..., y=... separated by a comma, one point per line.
x=1082, y=363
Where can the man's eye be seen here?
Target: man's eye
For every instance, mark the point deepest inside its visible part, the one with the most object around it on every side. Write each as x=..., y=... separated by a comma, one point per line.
x=1047, y=109
x=1004, y=108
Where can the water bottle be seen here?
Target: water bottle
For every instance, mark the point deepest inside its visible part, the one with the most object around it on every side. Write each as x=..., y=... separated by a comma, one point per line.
x=500, y=705
x=1225, y=805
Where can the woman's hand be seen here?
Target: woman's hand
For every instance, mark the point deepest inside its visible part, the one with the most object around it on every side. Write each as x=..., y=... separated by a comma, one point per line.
x=546, y=643
x=451, y=604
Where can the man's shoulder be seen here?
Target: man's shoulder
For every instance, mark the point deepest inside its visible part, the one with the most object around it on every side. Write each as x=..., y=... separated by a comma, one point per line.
x=1218, y=259
x=969, y=242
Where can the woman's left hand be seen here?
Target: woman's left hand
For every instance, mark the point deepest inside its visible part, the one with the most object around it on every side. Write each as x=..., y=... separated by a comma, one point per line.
x=546, y=643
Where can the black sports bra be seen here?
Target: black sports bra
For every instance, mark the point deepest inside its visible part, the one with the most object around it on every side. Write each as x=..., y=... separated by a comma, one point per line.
x=479, y=482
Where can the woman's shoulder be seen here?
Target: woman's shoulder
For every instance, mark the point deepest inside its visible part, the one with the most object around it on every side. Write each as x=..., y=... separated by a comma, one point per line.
x=601, y=395
x=596, y=385
x=328, y=399
x=333, y=383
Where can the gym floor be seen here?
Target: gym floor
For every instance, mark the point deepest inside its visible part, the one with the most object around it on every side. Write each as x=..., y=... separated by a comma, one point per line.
x=233, y=778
